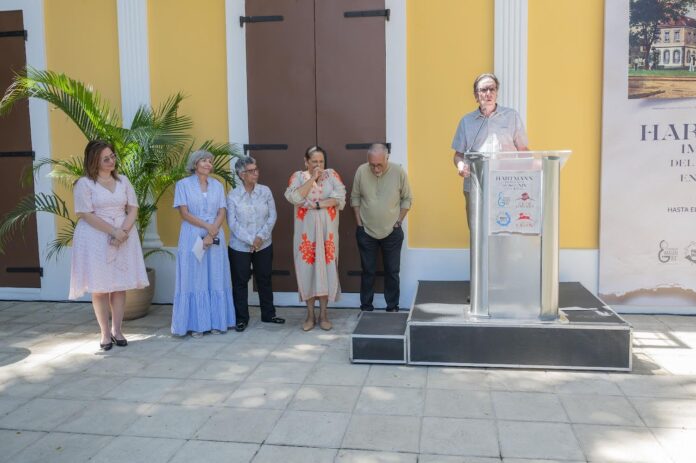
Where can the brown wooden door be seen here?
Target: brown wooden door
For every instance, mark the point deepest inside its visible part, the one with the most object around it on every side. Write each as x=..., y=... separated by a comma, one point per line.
x=19, y=266
x=314, y=77
x=351, y=104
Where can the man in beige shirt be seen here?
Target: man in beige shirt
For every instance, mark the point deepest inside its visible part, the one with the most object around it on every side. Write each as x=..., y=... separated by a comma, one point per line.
x=381, y=198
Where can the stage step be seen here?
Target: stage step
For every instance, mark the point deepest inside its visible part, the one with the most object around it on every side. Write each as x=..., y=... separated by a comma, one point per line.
x=438, y=331
x=379, y=337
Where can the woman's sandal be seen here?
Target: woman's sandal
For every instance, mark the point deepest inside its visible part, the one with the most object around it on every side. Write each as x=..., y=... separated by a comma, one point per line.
x=325, y=325
x=308, y=325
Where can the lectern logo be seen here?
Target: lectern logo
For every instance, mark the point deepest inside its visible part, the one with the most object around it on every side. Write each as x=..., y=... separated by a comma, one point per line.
x=524, y=201
x=503, y=219
x=690, y=252
x=667, y=255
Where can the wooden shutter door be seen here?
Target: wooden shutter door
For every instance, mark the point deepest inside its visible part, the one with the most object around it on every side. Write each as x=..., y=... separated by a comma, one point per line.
x=19, y=266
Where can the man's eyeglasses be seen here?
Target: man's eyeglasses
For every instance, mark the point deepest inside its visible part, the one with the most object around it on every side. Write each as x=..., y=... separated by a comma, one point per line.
x=483, y=91
x=251, y=171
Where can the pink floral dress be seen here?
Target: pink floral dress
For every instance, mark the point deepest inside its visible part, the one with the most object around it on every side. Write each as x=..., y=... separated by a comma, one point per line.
x=96, y=265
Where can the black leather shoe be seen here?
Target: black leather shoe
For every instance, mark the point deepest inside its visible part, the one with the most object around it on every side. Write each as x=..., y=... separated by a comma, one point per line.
x=367, y=309
x=240, y=326
x=274, y=320
x=106, y=346
x=392, y=309
x=119, y=342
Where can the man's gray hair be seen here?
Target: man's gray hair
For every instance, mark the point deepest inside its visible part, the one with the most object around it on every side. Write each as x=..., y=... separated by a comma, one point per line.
x=378, y=148
x=486, y=75
x=195, y=157
x=242, y=163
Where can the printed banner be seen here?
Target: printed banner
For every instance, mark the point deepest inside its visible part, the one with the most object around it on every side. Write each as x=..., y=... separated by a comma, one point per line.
x=648, y=204
x=515, y=202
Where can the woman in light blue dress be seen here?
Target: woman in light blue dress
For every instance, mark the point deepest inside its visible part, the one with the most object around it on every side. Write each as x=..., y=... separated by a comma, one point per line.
x=203, y=294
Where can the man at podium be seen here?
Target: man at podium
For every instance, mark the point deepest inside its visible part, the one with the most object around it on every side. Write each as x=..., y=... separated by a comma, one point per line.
x=488, y=129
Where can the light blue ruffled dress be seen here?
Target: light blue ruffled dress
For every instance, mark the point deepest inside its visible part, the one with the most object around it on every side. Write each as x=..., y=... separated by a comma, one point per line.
x=203, y=294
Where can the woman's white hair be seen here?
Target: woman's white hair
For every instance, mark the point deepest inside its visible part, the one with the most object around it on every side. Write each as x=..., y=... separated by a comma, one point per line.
x=195, y=157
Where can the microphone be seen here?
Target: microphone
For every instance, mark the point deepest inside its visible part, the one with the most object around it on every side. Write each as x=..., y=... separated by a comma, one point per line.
x=473, y=142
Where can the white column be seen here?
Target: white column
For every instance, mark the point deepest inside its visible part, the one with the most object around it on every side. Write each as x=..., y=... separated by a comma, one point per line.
x=510, y=53
x=135, y=76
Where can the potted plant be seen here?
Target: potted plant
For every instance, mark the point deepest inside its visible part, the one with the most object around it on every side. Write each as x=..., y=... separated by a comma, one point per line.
x=152, y=154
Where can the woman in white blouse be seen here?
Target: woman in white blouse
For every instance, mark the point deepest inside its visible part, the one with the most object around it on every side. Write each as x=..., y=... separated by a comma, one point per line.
x=251, y=215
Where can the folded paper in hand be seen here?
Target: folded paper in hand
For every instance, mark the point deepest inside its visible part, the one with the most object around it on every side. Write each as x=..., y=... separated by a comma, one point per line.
x=198, y=250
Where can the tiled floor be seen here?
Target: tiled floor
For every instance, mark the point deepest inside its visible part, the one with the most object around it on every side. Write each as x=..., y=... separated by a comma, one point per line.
x=277, y=394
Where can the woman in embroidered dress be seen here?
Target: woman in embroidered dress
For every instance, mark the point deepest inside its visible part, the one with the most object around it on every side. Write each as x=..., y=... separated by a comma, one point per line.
x=203, y=295
x=317, y=194
x=106, y=257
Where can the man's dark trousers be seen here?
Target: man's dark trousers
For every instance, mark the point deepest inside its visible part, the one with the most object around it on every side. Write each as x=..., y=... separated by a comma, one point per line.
x=391, y=257
x=240, y=267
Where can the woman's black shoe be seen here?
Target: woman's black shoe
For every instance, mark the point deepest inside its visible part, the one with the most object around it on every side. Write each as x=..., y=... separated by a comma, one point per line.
x=106, y=346
x=274, y=320
x=119, y=342
x=241, y=326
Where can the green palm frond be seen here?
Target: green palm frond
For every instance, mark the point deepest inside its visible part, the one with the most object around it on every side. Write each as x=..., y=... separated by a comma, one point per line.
x=65, y=171
x=170, y=127
x=16, y=219
x=62, y=241
x=152, y=153
x=78, y=101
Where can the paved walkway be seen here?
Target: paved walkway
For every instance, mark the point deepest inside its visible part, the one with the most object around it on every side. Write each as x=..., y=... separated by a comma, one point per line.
x=276, y=394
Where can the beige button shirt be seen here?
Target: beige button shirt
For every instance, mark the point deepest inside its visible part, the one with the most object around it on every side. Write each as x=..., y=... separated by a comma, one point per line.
x=380, y=198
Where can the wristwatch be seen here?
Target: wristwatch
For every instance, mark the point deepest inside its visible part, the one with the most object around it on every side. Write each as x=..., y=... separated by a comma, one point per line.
x=317, y=203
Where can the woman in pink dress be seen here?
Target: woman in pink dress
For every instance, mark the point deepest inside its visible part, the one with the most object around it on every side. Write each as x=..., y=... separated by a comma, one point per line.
x=107, y=258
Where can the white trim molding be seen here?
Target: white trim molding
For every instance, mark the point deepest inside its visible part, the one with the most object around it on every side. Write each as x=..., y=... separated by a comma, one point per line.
x=510, y=53
x=133, y=57
x=237, y=106
x=134, y=64
x=396, y=89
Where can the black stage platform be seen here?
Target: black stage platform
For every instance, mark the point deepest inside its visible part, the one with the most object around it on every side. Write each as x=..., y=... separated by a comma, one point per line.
x=439, y=331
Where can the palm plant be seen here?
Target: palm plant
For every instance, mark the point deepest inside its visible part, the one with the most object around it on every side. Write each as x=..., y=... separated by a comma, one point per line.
x=152, y=153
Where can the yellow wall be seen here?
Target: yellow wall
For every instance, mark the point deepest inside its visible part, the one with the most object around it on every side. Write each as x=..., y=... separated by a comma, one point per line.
x=450, y=42
x=447, y=51
x=82, y=42
x=564, y=105
x=188, y=55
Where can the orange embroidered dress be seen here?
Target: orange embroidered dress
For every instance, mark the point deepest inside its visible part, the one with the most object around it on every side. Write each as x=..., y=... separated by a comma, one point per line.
x=315, y=243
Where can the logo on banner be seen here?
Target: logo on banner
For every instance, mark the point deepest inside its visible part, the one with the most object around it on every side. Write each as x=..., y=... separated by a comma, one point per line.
x=503, y=219
x=667, y=255
x=524, y=221
x=503, y=200
x=525, y=201
x=690, y=252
